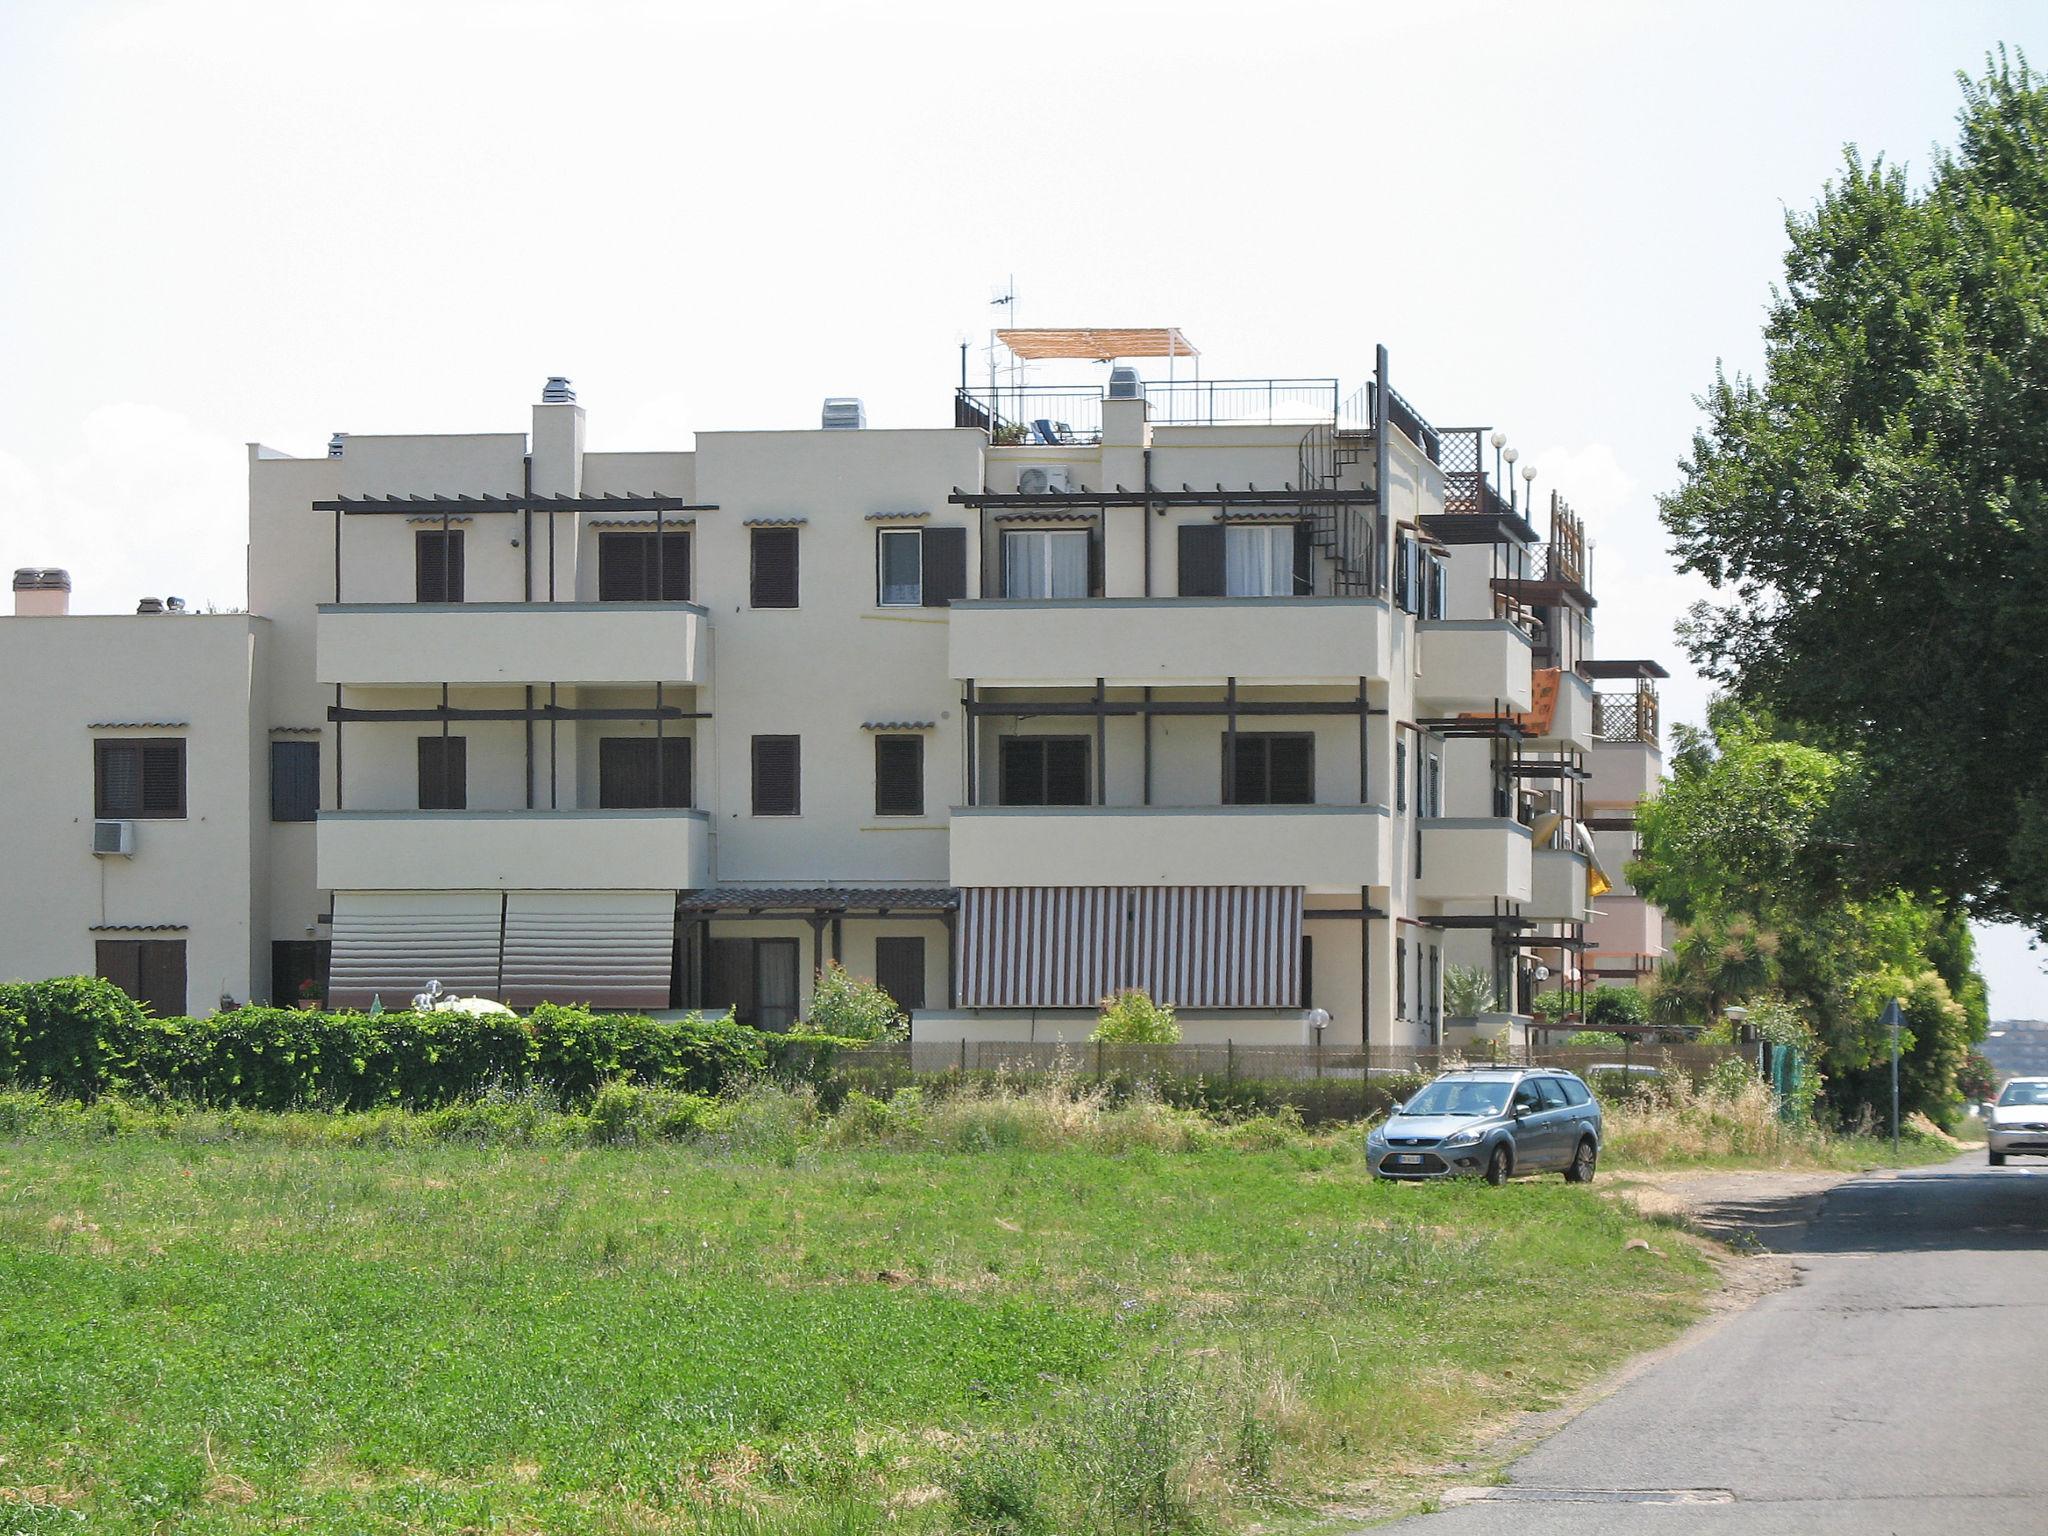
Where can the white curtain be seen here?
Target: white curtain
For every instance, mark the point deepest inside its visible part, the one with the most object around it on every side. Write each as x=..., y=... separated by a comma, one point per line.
x=1258, y=560
x=1046, y=563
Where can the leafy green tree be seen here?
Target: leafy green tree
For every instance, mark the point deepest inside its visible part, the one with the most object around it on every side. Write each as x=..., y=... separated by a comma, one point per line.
x=1617, y=1005
x=1874, y=512
x=852, y=1007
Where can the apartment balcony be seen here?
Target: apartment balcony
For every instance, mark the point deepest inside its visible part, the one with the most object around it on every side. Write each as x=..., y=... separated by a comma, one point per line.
x=1473, y=665
x=1570, y=726
x=1325, y=848
x=1625, y=925
x=1169, y=641
x=413, y=644
x=512, y=850
x=1475, y=858
x=1557, y=886
x=1623, y=772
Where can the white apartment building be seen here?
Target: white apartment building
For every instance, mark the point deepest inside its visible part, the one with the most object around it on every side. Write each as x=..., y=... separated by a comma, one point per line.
x=1254, y=694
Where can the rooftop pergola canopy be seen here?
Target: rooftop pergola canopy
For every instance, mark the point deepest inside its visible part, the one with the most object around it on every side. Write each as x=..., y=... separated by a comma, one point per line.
x=1097, y=344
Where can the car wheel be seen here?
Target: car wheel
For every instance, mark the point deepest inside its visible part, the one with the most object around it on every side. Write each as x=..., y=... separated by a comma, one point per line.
x=1998, y=1159
x=1499, y=1166
x=1583, y=1163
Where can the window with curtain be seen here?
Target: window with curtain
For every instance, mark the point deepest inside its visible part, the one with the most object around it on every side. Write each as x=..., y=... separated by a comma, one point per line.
x=901, y=553
x=1258, y=559
x=1045, y=562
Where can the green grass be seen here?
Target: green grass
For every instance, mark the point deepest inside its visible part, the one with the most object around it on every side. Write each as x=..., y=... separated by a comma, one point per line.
x=228, y=1324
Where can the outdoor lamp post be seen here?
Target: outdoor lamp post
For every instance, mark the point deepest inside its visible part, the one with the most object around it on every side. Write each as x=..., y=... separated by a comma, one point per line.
x=1500, y=441
x=1529, y=490
x=1511, y=455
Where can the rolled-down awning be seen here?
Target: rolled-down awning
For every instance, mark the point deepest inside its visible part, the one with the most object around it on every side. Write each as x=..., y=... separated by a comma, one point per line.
x=389, y=944
x=1189, y=946
x=610, y=949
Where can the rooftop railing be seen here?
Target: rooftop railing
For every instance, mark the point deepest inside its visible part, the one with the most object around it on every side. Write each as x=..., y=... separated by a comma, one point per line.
x=1626, y=716
x=1067, y=413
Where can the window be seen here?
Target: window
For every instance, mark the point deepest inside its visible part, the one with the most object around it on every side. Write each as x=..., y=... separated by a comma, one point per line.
x=1273, y=768
x=152, y=971
x=1433, y=804
x=1045, y=770
x=1410, y=574
x=899, y=971
x=1551, y=1093
x=437, y=566
x=1046, y=562
x=900, y=556
x=138, y=779
x=643, y=773
x=1400, y=775
x=298, y=971
x=899, y=775
x=755, y=979
x=1437, y=599
x=774, y=568
x=1258, y=560
x=778, y=776
x=444, y=773
x=634, y=568
x=294, y=780
x=1575, y=1092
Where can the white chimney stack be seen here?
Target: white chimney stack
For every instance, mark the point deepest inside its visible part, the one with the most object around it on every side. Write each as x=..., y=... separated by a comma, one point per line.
x=41, y=592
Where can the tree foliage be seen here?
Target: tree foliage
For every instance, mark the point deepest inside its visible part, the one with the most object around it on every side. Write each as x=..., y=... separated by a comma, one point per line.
x=1132, y=1018
x=1874, y=512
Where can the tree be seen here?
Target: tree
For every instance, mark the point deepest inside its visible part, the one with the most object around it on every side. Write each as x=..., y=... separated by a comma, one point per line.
x=852, y=1008
x=1874, y=510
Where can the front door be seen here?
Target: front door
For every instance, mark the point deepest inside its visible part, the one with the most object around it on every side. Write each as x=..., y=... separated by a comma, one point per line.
x=775, y=989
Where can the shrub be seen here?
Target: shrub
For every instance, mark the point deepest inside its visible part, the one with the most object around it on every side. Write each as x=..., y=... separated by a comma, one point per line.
x=76, y=1035
x=1617, y=1005
x=850, y=1007
x=1553, y=1005
x=1594, y=1040
x=1469, y=991
x=1132, y=1018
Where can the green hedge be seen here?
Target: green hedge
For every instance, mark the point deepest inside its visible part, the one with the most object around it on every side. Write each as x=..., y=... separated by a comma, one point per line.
x=80, y=1038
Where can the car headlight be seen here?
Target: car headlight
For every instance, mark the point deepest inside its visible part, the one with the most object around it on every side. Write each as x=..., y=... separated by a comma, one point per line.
x=1464, y=1138
x=1377, y=1136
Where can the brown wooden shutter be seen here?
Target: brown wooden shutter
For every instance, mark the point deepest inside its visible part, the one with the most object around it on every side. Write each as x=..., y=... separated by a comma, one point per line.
x=778, y=776
x=729, y=978
x=163, y=977
x=444, y=773
x=945, y=566
x=899, y=970
x=675, y=567
x=1066, y=771
x=1201, y=560
x=775, y=568
x=676, y=790
x=437, y=566
x=627, y=777
x=117, y=770
x=1095, y=586
x=294, y=780
x=621, y=567
x=163, y=779
x=899, y=776
x=120, y=961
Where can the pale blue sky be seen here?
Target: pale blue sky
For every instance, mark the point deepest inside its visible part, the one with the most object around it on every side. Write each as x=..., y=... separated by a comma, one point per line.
x=228, y=221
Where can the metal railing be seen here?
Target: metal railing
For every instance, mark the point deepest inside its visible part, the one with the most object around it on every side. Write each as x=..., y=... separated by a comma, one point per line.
x=1032, y=413
x=1467, y=487
x=1244, y=402
x=1626, y=716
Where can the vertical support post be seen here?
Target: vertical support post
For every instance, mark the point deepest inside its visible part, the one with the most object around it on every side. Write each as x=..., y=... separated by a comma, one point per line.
x=1146, y=716
x=970, y=723
x=337, y=743
x=527, y=723
x=1101, y=745
x=526, y=554
x=1230, y=741
x=817, y=921
x=337, y=554
x=660, y=560
x=1364, y=746
x=444, y=721
x=1382, y=511
x=952, y=922
x=554, y=752
x=839, y=941
x=1365, y=982
x=551, y=554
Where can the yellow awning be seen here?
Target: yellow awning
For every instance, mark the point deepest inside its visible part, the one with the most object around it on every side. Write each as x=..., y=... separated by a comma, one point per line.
x=1098, y=345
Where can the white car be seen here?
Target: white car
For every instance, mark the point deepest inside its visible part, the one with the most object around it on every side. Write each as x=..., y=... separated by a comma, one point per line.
x=2018, y=1124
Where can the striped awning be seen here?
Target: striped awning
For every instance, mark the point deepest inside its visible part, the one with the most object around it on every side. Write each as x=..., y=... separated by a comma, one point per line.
x=610, y=949
x=1189, y=946
x=389, y=944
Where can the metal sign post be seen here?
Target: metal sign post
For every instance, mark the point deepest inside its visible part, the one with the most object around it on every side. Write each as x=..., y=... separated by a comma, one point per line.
x=1892, y=1019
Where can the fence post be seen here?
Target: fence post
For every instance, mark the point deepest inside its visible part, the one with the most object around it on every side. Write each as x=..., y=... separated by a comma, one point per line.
x=1230, y=1061
x=963, y=1056
x=1098, y=1061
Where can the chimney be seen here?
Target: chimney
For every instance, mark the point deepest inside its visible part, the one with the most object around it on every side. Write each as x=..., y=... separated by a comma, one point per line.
x=557, y=441
x=336, y=445
x=41, y=592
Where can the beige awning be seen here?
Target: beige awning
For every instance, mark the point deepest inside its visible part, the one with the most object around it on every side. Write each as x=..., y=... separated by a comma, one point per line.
x=1098, y=345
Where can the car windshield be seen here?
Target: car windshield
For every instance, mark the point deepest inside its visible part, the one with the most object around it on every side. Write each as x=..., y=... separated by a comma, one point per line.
x=1455, y=1096
x=2025, y=1093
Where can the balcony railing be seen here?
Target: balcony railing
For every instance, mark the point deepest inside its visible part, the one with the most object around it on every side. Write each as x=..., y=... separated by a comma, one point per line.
x=1626, y=716
x=1054, y=414
x=1467, y=488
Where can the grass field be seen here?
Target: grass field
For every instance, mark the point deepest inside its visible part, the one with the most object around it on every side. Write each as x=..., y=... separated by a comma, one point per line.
x=229, y=1325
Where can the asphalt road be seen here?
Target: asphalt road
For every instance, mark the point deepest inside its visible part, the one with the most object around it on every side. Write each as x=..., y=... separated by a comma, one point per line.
x=1901, y=1387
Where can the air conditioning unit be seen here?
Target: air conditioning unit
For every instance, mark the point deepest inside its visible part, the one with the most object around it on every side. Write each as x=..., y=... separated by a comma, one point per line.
x=1123, y=384
x=1044, y=480
x=113, y=837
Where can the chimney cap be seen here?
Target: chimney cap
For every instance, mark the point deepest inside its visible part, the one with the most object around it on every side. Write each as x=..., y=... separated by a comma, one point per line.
x=150, y=605
x=45, y=578
x=557, y=391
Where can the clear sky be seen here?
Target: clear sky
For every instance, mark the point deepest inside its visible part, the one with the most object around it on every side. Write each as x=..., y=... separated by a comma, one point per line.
x=271, y=220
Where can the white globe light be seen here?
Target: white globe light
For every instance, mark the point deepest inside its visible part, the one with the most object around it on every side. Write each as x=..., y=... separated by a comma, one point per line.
x=1500, y=439
x=1512, y=454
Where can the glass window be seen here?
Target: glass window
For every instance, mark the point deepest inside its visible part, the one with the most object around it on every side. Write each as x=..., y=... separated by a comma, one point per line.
x=902, y=560
x=1258, y=560
x=1574, y=1091
x=1460, y=1096
x=2025, y=1093
x=1045, y=562
x=1045, y=770
x=1551, y=1092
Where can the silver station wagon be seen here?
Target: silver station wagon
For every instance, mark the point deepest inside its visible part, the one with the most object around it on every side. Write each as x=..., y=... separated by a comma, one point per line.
x=1493, y=1123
